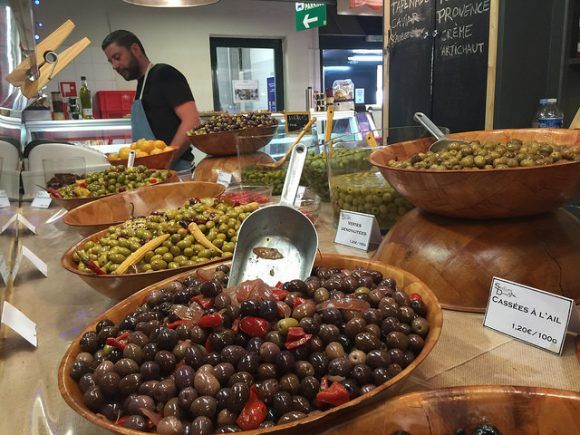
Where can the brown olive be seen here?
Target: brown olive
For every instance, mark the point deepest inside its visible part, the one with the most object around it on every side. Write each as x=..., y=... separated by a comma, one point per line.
x=367, y=341
x=222, y=397
x=94, y=398
x=389, y=325
x=291, y=416
x=316, y=344
x=267, y=389
x=206, y=384
x=172, y=408
x=354, y=327
x=394, y=369
x=373, y=329
x=380, y=375
x=285, y=362
x=275, y=337
x=397, y=356
x=136, y=422
x=225, y=417
x=165, y=390
x=202, y=426
x=86, y=381
x=328, y=333
x=334, y=350
x=147, y=388
x=130, y=384
x=310, y=325
x=301, y=404
x=282, y=402
x=321, y=294
x=309, y=387
x=198, y=335
x=79, y=368
x=149, y=351
x=186, y=397
x=137, y=403
x=138, y=338
x=378, y=358
x=304, y=368
x=269, y=351
x=204, y=406
x=170, y=425
x=361, y=373
x=416, y=343
x=420, y=326
x=243, y=377
x=397, y=340
x=194, y=356
x=319, y=361
x=150, y=370
x=184, y=377
x=238, y=396
x=232, y=354
x=126, y=366
x=340, y=367
x=266, y=371
x=249, y=363
x=290, y=383
x=223, y=371
x=306, y=309
x=221, y=301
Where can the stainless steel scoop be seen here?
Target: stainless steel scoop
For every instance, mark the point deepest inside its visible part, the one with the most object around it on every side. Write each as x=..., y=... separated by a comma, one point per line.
x=442, y=141
x=277, y=231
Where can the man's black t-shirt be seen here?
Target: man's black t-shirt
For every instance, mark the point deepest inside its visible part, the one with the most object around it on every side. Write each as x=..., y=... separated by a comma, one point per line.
x=165, y=89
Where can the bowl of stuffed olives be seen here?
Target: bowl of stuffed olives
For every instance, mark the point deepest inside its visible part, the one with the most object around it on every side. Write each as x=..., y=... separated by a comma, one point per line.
x=192, y=355
x=498, y=174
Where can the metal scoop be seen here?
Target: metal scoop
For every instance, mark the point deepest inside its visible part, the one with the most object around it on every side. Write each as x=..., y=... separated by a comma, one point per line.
x=277, y=243
x=442, y=141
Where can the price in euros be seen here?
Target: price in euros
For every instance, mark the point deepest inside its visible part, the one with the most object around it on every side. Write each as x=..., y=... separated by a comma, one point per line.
x=533, y=333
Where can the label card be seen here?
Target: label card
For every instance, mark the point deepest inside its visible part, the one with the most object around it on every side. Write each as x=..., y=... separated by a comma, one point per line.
x=26, y=223
x=4, y=273
x=41, y=200
x=34, y=259
x=4, y=201
x=131, y=159
x=530, y=315
x=19, y=323
x=224, y=178
x=358, y=230
x=9, y=222
x=299, y=196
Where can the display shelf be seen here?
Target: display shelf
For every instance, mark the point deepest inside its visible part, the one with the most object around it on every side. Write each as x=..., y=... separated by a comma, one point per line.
x=62, y=305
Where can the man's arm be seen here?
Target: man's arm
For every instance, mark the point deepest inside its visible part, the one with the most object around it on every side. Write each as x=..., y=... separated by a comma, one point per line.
x=189, y=116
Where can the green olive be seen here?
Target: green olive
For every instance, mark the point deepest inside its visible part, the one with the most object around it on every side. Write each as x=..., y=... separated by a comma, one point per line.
x=286, y=323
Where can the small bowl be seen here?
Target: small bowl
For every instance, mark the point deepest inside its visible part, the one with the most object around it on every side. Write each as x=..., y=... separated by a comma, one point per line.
x=155, y=161
x=228, y=143
x=116, y=209
x=244, y=193
x=485, y=194
x=310, y=205
x=71, y=203
x=73, y=396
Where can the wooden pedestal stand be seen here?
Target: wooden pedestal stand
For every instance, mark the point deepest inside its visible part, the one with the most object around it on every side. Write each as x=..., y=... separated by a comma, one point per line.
x=457, y=258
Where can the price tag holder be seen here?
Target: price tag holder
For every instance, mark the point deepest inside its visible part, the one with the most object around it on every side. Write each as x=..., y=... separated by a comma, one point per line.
x=41, y=200
x=19, y=323
x=34, y=259
x=357, y=230
x=224, y=178
x=131, y=159
x=4, y=201
x=528, y=314
x=4, y=273
x=299, y=196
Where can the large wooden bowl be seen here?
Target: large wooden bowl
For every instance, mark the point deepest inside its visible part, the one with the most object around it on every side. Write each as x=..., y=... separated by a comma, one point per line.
x=120, y=286
x=209, y=168
x=71, y=203
x=483, y=194
x=155, y=161
x=113, y=210
x=73, y=396
x=512, y=410
x=229, y=143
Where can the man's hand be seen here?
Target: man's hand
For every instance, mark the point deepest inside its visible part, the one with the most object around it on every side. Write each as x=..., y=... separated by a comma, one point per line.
x=189, y=116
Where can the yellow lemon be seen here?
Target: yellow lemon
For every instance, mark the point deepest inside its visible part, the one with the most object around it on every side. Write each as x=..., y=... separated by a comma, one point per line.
x=124, y=153
x=155, y=151
x=113, y=156
x=167, y=149
x=147, y=146
x=140, y=153
x=159, y=144
x=133, y=146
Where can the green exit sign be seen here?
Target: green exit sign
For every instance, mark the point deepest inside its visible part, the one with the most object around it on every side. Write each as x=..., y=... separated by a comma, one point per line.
x=309, y=15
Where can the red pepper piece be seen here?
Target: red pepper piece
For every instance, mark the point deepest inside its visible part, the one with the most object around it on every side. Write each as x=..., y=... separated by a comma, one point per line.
x=415, y=297
x=116, y=343
x=254, y=326
x=297, y=301
x=210, y=320
x=208, y=345
x=205, y=303
x=54, y=192
x=280, y=294
x=254, y=412
x=175, y=324
x=123, y=336
x=90, y=264
x=121, y=420
x=336, y=395
x=153, y=180
x=279, y=285
x=296, y=337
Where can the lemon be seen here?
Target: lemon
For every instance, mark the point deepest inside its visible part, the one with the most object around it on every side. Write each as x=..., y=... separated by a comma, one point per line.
x=113, y=156
x=140, y=153
x=155, y=151
x=124, y=153
x=159, y=144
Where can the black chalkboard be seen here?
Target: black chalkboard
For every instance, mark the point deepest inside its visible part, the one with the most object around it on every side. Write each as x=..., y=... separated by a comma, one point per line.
x=410, y=59
x=460, y=64
x=295, y=121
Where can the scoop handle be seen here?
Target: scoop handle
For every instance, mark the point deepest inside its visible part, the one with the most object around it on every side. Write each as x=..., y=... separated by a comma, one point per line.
x=292, y=180
x=422, y=119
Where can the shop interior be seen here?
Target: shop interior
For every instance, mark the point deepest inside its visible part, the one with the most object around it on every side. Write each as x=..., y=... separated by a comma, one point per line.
x=380, y=197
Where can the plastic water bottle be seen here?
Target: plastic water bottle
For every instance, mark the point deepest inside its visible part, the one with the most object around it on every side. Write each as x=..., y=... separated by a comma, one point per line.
x=549, y=114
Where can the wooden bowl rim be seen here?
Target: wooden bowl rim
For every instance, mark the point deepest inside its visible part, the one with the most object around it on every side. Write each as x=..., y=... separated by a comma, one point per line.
x=134, y=190
x=375, y=154
x=234, y=132
x=171, y=172
x=435, y=311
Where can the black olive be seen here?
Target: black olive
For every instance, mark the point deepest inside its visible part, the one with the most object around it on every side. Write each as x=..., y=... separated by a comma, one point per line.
x=285, y=362
x=166, y=361
x=94, y=398
x=249, y=363
x=102, y=324
x=130, y=384
x=166, y=338
x=254, y=344
x=239, y=394
x=249, y=308
x=319, y=361
x=282, y=402
x=111, y=410
x=202, y=426
x=184, y=377
x=89, y=342
x=204, y=406
x=268, y=310
x=136, y=422
x=352, y=387
x=86, y=381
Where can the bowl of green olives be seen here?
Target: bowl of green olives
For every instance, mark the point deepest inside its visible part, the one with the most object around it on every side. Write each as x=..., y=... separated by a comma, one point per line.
x=111, y=181
x=125, y=258
x=498, y=174
x=192, y=354
x=227, y=135
x=265, y=176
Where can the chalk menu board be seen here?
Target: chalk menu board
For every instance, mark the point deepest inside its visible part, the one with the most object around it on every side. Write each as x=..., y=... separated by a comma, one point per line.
x=410, y=59
x=460, y=72
x=296, y=121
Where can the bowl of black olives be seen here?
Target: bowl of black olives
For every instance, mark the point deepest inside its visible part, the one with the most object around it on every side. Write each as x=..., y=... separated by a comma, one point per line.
x=496, y=174
x=227, y=135
x=192, y=355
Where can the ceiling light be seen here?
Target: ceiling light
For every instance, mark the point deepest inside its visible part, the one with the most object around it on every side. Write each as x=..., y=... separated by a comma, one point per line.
x=171, y=3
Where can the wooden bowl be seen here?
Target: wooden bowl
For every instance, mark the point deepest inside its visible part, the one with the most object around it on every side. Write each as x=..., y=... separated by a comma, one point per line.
x=113, y=210
x=120, y=286
x=512, y=410
x=73, y=396
x=228, y=143
x=71, y=203
x=155, y=161
x=209, y=167
x=484, y=194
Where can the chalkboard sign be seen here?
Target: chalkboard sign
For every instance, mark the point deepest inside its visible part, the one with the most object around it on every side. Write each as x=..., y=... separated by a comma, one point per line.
x=295, y=121
x=460, y=66
x=410, y=59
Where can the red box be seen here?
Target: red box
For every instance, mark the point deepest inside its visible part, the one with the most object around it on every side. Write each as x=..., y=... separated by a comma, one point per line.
x=113, y=104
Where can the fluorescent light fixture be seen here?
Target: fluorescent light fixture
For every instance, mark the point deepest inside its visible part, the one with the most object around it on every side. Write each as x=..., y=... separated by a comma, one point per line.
x=365, y=58
x=336, y=68
x=171, y=3
x=367, y=51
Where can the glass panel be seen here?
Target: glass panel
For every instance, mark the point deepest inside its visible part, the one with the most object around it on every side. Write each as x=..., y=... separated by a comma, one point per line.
x=242, y=77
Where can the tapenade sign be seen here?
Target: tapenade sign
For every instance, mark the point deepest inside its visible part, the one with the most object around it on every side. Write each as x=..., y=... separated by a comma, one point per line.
x=296, y=121
x=534, y=316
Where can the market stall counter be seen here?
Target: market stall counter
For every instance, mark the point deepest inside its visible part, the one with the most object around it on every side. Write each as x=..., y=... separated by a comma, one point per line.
x=62, y=306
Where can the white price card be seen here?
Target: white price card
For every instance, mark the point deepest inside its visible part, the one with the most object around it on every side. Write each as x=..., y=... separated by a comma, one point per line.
x=9, y=222
x=224, y=178
x=34, y=259
x=528, y=314
x=299, y=196
x=358, y=230
x=131, y=159
x=4, y=273
x=19, y=323
x=42, y=199
x=4, y=201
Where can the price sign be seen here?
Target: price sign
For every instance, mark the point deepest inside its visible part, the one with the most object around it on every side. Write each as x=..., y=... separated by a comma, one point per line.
x=41, y=200
x=299, y=196
x=528, y=314
x=357, y=230
x=131, y=159
x=4, y=201
x=295, y=121
x=34, y=259
x=4, y=273
x=19, y=323
x=224, y=178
